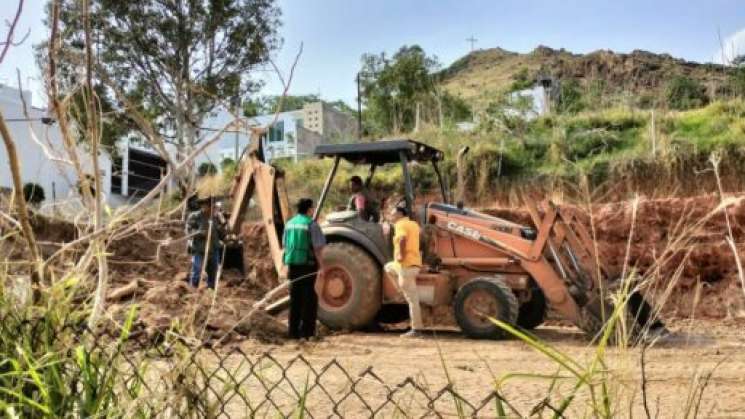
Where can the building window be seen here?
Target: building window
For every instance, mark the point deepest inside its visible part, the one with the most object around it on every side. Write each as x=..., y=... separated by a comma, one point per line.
x=277, y=132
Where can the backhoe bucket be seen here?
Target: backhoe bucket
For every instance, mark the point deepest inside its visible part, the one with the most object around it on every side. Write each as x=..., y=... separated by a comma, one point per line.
x=569, y=248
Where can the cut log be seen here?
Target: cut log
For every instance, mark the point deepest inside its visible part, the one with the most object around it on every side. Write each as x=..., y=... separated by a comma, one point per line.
x=125, y=291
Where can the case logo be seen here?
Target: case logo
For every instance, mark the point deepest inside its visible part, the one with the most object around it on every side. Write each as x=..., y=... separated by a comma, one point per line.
x=463, y=230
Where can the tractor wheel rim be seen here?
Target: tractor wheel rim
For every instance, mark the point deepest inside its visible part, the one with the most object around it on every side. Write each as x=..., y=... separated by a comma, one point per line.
x=479, y=306
x=337, y=287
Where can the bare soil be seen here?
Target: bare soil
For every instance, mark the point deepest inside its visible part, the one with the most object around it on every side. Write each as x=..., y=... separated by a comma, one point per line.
x=667, y=240
x=697, y=349
x=150, y=267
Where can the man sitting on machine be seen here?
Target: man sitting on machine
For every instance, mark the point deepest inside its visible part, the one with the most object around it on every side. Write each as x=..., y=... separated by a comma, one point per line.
x=361, y=202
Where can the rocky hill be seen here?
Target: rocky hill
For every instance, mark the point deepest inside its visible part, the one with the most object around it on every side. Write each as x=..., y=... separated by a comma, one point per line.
x=483, y=73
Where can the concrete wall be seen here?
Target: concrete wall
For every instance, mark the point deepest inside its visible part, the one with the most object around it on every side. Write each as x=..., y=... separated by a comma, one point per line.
x=58, y=179
x=538, y=97
x=307, y=142
x=334, y=126
x=339, y=127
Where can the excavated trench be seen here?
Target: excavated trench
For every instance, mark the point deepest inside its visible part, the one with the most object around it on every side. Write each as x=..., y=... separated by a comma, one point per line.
x=680, y=243
x=669, y=243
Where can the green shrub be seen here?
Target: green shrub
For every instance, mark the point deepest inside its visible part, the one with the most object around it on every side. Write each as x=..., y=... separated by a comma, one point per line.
x=207, y=168
x=522, y=80
x=685, y=93
x=611, y=120
x=570, y=97
x=737, y=82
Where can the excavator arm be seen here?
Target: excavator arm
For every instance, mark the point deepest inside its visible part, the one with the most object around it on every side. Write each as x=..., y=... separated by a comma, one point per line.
x=264, y=182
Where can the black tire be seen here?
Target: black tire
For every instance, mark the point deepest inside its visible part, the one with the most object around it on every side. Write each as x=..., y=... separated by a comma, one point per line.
x=360, y=298
x=493, y=298
x=532, y=313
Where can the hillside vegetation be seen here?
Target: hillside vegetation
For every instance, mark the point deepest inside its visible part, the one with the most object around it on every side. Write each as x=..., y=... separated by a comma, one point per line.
x=618, y=151
x=640, y=75
x=620, y=124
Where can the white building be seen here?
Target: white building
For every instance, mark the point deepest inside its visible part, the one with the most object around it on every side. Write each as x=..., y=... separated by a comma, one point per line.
x=537, y=98
x=42, y=155
x=280, y=141
x=136, y=167
x=293, y=135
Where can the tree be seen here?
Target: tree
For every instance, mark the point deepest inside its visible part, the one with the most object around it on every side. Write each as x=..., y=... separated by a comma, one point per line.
x=289, y=103
x=252, y=107
x=342, y=106
x=178, y=59
x=455, y=109
x=270, y=104
x=398, y=90
x=685, y=93
x=738, y=61
x=207, y=169
x=226, y=163
x=393, y=87
x=69, y=78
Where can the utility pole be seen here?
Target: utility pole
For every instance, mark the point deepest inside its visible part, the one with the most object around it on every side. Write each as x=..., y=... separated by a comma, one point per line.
x=472, y=41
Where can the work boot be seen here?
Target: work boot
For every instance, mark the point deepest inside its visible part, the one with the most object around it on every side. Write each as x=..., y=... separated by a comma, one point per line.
x=413, y=334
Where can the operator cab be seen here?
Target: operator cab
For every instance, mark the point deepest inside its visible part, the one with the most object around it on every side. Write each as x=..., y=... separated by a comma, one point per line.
x=381, y=153
x=347, y=225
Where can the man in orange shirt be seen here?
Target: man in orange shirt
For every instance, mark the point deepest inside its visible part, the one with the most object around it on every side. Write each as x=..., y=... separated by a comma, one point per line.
x=407, y=260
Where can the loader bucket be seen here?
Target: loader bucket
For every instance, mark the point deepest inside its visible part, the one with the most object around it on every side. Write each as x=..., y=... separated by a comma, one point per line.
x=568, y=247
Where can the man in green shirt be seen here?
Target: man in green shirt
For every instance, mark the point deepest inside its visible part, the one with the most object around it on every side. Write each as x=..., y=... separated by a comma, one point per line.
x=303, y=243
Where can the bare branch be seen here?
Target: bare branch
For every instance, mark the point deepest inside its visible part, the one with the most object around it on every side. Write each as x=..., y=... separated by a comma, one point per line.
x=286, y=84
x=47, y=152
x=154, y=193
x=11, y=30
x=60, y=106
x=20, y=202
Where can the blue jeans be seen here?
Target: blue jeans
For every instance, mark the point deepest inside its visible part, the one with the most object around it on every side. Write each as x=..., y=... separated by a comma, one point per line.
x=211, y=269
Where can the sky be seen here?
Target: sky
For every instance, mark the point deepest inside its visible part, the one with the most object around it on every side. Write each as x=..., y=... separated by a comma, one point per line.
x=335, y=33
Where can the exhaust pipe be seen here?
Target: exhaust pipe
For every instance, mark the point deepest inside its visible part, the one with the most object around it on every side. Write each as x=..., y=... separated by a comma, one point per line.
x=460, y=168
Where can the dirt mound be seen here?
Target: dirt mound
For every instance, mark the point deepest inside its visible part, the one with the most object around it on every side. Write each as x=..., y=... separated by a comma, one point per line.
x=685, y=242
x=150, y=268
x=681, y=242
x=257, y=259
x=53, y=230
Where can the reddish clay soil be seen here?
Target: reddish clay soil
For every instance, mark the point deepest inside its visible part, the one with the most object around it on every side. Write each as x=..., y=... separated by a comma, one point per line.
x=669, y=242
x=678, y=242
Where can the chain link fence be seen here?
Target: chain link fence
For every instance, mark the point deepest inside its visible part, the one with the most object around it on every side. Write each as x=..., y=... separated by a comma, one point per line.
x=138, y=375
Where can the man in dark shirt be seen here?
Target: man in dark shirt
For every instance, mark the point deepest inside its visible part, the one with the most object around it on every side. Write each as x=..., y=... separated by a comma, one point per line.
x=205, y=233
x=360, y=201
x=303, y=244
